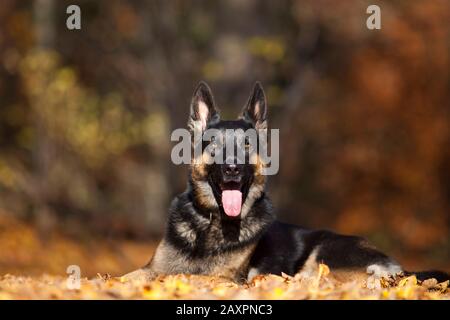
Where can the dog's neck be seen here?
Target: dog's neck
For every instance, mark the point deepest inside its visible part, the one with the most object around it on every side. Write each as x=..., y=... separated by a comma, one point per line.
x=200, y=229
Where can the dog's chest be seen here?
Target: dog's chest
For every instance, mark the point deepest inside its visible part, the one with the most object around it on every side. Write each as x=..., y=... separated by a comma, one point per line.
x=232, y=264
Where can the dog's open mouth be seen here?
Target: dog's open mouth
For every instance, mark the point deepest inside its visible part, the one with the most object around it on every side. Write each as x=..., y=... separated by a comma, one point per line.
x=231, y=199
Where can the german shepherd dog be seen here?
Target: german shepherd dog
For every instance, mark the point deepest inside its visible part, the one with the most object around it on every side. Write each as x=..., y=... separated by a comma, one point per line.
x=224, y=225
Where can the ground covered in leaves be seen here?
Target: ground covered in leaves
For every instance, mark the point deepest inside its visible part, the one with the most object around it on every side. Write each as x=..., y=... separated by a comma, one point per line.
x=27, y=257
x=319, y=286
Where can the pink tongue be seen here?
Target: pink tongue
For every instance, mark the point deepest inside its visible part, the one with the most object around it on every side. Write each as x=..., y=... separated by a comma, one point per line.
x=232, y=201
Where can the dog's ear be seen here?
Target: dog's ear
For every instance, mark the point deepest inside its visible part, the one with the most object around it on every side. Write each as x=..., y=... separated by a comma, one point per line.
x=255, y=110
x=203, y=109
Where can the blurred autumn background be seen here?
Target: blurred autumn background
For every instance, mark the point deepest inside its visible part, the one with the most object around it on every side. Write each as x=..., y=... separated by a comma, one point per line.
x=86, y=117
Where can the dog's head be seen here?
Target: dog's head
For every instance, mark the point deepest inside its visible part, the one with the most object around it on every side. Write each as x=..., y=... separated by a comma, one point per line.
x=231, y=185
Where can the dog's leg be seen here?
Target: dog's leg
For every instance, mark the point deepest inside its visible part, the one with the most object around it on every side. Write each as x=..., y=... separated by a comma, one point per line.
x=140, y=275
x=150, y=271
x=379, y=271
x=253, y=272
x=349, y=253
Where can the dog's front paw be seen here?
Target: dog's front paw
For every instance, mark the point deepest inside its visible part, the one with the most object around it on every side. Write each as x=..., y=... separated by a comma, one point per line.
x=140, y=275
x=378, y=272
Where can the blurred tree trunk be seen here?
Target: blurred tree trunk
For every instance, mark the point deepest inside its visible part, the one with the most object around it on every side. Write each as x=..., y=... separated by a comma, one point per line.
x=44, y=150
x=177, y=85
x=44, y=16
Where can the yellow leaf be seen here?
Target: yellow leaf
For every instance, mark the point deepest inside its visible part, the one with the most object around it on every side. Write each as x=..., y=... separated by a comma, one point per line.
x=385, y=294
x=276, y=293
x=220, y=291
x=154, y=293
x=323, y=270
x=405, y=292
x=183, y=288
x=412, y=280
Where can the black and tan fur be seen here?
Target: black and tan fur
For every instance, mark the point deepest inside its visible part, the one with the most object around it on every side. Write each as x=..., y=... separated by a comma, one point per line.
x=201, y=239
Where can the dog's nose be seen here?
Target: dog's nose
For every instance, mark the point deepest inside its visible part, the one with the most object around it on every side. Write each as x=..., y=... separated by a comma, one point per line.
x=231, y=170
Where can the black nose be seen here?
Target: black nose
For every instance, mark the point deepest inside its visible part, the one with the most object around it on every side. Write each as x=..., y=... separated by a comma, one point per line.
x=231, y=170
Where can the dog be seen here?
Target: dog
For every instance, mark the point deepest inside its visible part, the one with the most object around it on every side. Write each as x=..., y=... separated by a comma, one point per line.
x=224, y=224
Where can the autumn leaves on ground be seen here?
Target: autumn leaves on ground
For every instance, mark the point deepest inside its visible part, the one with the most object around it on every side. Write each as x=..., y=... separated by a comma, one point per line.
x=319, y=286
x=33, y=267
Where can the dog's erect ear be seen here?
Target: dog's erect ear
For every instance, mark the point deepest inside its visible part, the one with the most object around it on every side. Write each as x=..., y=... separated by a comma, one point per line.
x=255, y=110
x=203, y=108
